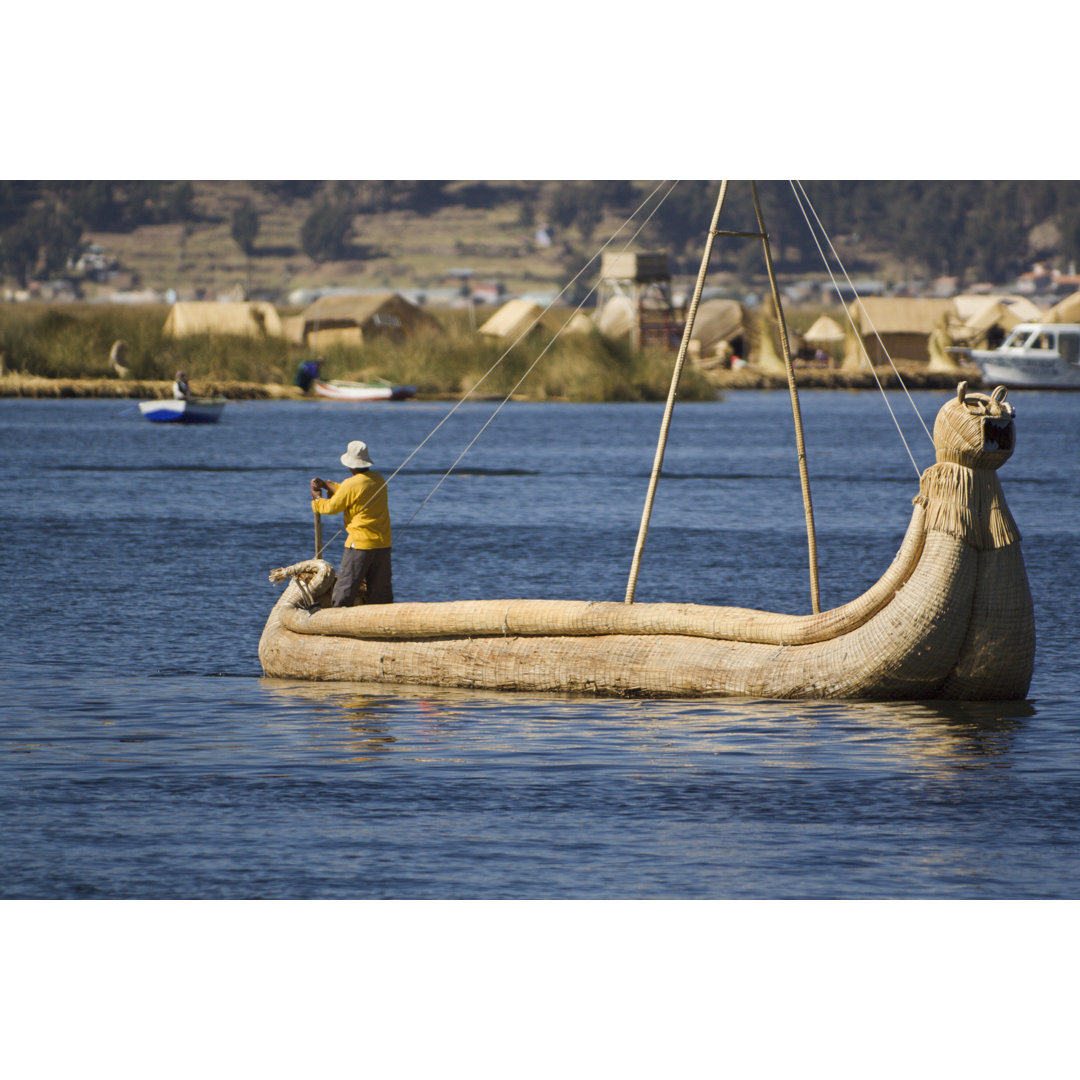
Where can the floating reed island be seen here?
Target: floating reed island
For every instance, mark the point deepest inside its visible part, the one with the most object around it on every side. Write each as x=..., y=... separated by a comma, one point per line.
x=952, y=617
x=17, y=385
x=37, y=386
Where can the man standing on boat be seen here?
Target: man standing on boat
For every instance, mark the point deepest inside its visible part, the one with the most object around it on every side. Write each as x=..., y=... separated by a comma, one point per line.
x=180, y=389
x=362, y=499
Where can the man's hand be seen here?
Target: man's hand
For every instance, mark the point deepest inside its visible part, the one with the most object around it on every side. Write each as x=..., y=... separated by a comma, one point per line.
x=318, y=485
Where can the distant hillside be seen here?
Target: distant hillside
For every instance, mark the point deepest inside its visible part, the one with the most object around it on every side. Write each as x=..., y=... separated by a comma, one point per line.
x=191, y=236
x=392, y=247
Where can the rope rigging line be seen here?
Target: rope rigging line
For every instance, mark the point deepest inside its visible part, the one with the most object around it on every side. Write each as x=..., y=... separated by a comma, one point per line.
x=544, y=351
x=510, y=348
x=800, y=196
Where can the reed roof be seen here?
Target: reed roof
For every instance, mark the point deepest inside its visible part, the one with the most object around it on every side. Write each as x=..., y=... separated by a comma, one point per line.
x=248, y=319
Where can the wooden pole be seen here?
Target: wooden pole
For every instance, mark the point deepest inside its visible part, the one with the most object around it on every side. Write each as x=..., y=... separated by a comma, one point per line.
x=804, y=478
x=318, y=535
x=658, y=461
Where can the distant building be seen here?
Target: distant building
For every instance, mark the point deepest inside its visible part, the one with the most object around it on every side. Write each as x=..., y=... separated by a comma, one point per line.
x=351, y=320
x=1038, y=279
x=461, y=278
x=633, y=299
x=94, y=262
x=849, y=291
x=488, y=292
x=190, y=318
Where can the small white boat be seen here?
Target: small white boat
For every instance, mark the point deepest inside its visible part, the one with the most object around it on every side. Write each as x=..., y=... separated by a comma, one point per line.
x=184, y=411
x=1036, y=356
x=341, y=390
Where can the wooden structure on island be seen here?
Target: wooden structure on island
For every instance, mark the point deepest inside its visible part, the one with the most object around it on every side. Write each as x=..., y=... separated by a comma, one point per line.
x=644, y=279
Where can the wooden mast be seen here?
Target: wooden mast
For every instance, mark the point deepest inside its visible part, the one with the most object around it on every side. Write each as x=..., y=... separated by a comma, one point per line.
x=804, y=478
x=680, y=360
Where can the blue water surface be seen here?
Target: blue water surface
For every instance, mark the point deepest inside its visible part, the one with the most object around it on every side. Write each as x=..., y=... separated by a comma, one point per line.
x=143, y=754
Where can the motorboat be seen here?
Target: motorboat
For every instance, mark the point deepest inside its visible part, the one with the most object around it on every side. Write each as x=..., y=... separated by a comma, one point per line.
x=1035, y=356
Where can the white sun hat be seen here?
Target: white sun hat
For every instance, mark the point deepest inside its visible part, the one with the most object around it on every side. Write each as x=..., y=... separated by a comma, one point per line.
x=356, y=457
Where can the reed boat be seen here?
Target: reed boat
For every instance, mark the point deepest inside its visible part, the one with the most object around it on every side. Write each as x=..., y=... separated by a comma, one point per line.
x=950, y=618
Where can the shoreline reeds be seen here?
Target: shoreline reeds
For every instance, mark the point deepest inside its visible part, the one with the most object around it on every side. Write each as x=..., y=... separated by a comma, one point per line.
x=71, y=344
x=64, y=351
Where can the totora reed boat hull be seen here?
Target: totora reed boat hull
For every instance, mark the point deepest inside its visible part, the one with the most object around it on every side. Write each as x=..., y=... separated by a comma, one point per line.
x=952, y=617
x=960, y=626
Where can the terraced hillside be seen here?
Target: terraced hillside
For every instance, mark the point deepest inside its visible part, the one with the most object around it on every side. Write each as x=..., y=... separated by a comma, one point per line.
x=394, y=248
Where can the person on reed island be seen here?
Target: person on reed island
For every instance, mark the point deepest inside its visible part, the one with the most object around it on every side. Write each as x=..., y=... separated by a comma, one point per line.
x=180, y=389
x=308, y=372
x=362, y=499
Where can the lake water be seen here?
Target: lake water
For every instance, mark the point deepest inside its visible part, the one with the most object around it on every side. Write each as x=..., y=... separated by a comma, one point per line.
x=145, y=756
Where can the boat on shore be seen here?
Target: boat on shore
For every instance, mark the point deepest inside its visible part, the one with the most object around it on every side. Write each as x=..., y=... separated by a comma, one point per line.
x=1035, y=356
x=183, y=411
x=342, y=390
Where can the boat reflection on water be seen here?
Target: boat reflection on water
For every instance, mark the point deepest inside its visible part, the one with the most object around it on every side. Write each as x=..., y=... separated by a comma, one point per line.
x=351, y=726
x=440, y=724
x=956, y=734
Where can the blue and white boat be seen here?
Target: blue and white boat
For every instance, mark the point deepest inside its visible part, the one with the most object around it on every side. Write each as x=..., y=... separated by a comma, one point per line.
x=183, y=411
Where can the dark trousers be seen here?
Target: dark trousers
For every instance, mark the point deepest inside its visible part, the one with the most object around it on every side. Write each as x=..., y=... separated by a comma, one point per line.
x=364, y=566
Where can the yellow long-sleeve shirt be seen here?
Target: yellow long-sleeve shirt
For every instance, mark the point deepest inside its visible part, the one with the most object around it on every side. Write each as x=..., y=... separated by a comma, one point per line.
x=362, y=499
